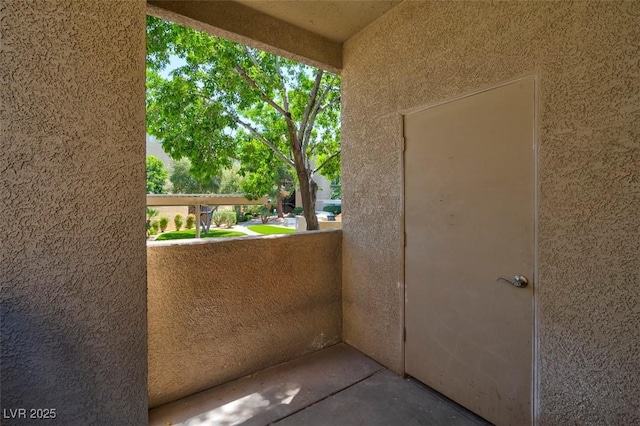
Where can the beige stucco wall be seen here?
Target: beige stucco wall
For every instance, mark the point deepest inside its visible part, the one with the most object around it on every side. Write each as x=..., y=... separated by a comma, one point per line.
x=72, y=170
x=219, y=310
x=586, y=56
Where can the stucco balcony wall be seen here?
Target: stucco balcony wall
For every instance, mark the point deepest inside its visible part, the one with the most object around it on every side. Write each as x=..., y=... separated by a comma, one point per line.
x=221, y=309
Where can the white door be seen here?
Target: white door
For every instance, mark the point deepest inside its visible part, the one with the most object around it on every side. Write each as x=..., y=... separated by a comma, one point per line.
x=469, y=220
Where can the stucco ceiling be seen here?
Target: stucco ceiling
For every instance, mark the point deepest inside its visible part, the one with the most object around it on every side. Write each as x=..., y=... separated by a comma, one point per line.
x=334, y=20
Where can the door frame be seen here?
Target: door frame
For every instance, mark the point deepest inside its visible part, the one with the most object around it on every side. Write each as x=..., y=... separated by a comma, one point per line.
x=535, y=385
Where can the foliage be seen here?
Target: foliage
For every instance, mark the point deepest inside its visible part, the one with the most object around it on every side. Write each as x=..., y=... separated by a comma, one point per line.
x=164, y=222
x=151, y=213
x=265, y=213
x=155, y=226
x=336, y=189
x=178, y=221
x=188, y=234
x=229, y=102
x=183, y=181
x=226, y=218
x=216, y=218
x=336, y=210
x=253, y=210
x=270, y=229
x=263, y=173
x=297, y=210
x=191, y=220
x=156, y=175
x=231, y=181
x=241, y=217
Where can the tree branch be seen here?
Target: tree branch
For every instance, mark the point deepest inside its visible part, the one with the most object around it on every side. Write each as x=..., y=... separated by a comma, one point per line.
x=310, y=105
x=318, y=108
x=324, y=163
x=261, y=137
x=253, y=58
x=285, y=98
x=253, y=84
x=285, y=141
x=310, y=151
x=307, y=132
x=291, y=126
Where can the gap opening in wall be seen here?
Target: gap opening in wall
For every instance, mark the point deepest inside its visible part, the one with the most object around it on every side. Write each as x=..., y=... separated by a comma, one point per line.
x=239, y=141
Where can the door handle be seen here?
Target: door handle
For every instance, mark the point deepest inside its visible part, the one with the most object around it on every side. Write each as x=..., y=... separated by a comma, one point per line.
x=519, y=281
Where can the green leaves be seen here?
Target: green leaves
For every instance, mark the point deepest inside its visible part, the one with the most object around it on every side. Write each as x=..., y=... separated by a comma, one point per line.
x=227, y=102
x=264, y=173
x=183, y=182
x=189, y=125
x=156, y=175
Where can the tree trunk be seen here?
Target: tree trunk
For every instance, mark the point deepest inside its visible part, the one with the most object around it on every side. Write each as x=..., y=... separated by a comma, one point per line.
x=308, y=190
x=279, y=206
x=308, y=187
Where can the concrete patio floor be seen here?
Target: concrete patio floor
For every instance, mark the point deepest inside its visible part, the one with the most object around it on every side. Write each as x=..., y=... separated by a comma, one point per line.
x=335, y=386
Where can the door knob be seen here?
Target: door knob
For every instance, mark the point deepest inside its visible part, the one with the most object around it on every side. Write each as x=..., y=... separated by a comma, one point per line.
x=518, y=281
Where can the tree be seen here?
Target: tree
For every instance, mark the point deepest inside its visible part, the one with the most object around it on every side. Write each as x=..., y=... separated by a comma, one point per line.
x=230, y=102
x=336, y=189
x=264, y=174
x=151, y=213
x=231, y=181
x=183, y=182
x=156, y=175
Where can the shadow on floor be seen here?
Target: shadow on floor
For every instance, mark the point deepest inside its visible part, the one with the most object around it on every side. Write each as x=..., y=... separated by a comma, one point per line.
x=335, y=386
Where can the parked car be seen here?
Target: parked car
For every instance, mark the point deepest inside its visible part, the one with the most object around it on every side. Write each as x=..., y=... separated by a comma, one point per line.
x=328, y=216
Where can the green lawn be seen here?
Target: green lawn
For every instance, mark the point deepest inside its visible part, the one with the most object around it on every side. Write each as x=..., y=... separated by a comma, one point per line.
x=191, y=233
x=270, y=229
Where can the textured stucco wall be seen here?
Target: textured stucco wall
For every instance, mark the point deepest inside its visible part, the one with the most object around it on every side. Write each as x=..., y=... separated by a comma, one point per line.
x=587, y=58
x=72, y=186
x=219, y=310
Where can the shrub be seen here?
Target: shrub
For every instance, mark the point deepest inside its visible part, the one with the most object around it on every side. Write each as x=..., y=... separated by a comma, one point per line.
x=226, y=218
x=254, y=211
x=264, y=214
x=191, y=220
x=216, y=218
x=178, y=221
x=164, y=222
x=155, y=225
x=230, y=219
x=336, y=210
x=151, y=213
x=297, y=210
x=240, y=217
